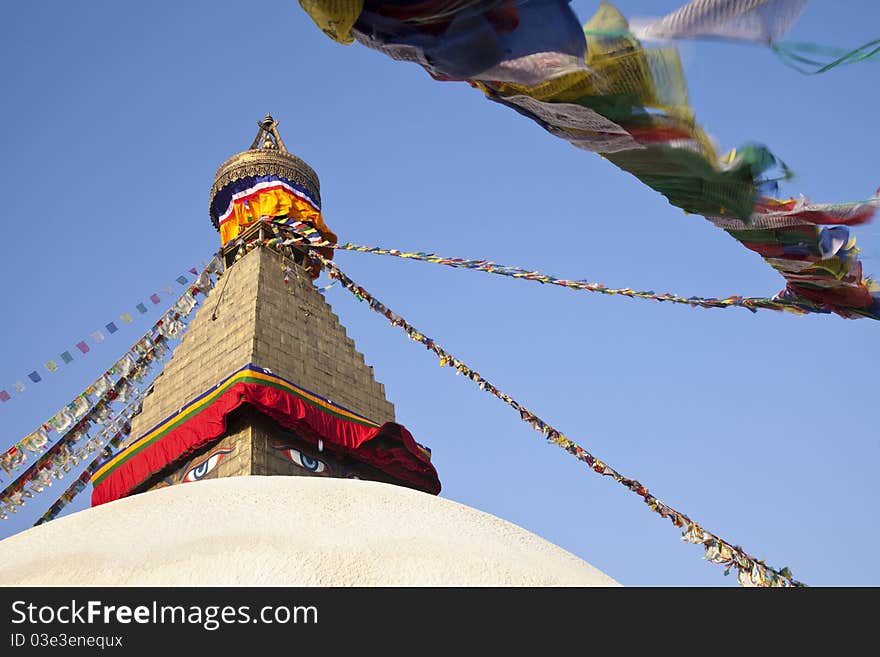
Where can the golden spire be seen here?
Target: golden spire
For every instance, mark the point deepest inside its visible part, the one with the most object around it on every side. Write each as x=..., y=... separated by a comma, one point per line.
x=267, y=136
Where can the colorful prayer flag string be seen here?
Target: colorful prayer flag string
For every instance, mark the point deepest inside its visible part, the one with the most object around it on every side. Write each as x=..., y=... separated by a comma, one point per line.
x=97, y=337
x=74, y=421
x=751, y=571
x=750, y=303
x=784, y=302
x=570, y=81
x=106, y=451
x=760, y=21
x=68, y=423
x=60, y=457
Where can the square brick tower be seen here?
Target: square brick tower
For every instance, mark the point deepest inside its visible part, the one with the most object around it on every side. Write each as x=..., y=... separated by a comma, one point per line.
x=266, y=381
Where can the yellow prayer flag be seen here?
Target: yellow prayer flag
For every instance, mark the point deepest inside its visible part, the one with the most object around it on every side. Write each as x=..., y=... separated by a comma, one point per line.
x=334, y=17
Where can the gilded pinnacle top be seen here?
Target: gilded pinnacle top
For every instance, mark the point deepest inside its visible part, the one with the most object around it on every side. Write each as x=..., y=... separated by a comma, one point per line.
x=267, y=156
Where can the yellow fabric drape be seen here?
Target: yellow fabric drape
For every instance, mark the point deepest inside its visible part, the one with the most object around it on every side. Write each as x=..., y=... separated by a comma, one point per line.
x=334, y=17
x=272, y=203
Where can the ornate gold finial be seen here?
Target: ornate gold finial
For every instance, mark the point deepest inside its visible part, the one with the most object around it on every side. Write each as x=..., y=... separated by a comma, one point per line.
x=267, y=156
x=267, y=136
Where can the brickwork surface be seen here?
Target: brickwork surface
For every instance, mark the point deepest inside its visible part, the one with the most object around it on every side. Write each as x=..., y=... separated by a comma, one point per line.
x=299, y=337
x=252, y=316
x=289, y=329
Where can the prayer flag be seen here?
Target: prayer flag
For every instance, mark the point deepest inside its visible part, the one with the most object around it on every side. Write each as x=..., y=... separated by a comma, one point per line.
x=124, y=390
x=111, y=327
x=763, y=21
x=203, y=282
x=185, y=305
x=155, y=299
x=66, y=357
x=101, y=412
x=98, y=336
x=19, y=386
x=79, y=406
x=143, y=346
x=125, y=317
x=51, y=365
x=11, y=459
x=61, y=421
x=181, y=279
x=36, y=441
x=141, y=308
x=102, y=385
x=193, y=271
x=82, y=346
x=335, y=18
x=124, y=365
x=33, y=376
x=4, y=396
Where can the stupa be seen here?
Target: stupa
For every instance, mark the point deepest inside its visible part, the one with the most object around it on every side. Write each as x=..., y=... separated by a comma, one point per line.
x=266, y=381
x=242, y=465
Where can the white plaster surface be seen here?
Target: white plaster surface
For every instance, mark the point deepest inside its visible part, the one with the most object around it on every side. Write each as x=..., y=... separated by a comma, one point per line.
x=287, y=531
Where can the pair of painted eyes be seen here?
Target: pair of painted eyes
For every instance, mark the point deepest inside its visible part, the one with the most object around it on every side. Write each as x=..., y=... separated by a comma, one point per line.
x=201, y=469
x=304, y=461
x=310, y=464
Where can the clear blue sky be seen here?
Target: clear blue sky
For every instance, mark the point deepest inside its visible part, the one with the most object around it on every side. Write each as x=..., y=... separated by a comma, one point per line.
x=761, y=427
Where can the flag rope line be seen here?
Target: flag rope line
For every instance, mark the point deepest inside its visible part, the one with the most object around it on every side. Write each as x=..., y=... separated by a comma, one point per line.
x=142, y=359
x=82, y=480
x=753, y=304
x=71, y=435
x=751, y=571
x=794, y=54
x=750, y=303
x=96, y=338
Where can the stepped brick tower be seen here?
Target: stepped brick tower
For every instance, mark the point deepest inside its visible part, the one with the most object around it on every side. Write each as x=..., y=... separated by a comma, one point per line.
x=266, y=381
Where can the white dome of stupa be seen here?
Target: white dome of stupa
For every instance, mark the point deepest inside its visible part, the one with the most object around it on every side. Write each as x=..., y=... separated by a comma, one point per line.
x=287, y=531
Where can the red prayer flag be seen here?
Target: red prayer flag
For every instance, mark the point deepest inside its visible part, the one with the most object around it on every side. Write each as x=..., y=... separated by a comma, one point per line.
x=82, y=346
x=155, y=299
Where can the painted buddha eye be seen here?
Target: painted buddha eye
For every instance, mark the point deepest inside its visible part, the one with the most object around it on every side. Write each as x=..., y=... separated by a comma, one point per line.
x=199, y=470
x=306, y=462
